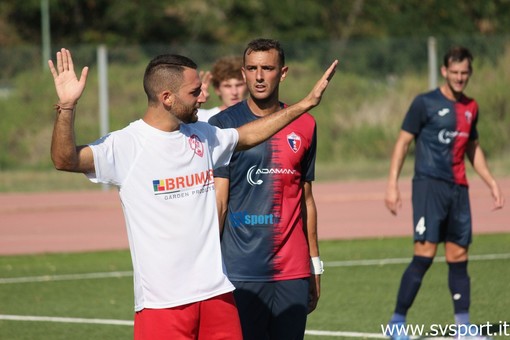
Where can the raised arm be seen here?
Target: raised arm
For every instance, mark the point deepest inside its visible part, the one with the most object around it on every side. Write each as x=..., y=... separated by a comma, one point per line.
x=477, y=158
x=392, y=199
x=64, y=152
x=261, y=129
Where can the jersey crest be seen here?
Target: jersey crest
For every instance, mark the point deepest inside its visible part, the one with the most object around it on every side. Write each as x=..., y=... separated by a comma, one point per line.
x=294, y=142
x=469, y=116
x=196, y=145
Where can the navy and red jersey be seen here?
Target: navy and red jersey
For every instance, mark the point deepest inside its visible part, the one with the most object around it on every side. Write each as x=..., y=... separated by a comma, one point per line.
x=442, y=129
x=263, y=237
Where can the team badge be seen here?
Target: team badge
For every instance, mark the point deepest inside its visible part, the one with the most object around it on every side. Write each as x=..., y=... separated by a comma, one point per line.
x=469, y=116
x=196, y=145
x=294, y=142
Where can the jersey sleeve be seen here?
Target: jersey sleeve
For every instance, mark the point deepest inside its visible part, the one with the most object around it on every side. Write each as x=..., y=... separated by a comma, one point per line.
x=222, y=145
x=415, y=117
x=308, y=162
x=221, y=171
x=215, y=121
x=473, y=134
x=111, y=164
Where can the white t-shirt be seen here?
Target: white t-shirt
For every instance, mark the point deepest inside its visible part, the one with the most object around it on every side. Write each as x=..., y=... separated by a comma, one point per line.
x=204, y=114
x=166, y=187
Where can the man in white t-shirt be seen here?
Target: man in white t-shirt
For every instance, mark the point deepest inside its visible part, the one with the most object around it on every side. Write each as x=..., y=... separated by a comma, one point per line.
x=163, y=167
x=229, y=85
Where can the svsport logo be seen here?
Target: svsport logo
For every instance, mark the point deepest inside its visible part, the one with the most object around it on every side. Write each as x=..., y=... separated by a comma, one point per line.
x=238, y=219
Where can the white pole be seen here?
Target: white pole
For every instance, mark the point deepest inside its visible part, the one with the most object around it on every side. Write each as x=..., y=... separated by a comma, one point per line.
x=45, y=33
x=432, y=48
x=102, y=69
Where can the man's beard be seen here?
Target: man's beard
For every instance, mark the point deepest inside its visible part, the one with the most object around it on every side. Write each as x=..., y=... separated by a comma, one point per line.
x=186, y=113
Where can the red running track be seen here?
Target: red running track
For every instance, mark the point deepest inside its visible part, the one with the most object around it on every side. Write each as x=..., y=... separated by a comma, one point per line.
x=92, y=220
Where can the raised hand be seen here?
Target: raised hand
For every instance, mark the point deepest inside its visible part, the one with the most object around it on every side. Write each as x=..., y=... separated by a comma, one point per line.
x=315, y=96
x=69, y=88
x=205, y=77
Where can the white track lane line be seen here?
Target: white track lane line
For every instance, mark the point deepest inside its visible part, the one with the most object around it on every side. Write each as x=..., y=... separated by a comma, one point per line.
x=354, y=263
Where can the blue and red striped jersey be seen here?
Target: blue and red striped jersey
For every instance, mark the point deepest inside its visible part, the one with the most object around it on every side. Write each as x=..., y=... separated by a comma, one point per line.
x=263, y=237
x=442, y=129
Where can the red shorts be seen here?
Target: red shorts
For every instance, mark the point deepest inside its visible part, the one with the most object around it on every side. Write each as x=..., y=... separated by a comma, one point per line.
x=212, y=319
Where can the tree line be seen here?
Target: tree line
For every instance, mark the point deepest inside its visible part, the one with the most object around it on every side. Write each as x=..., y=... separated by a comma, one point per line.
x=237, y=21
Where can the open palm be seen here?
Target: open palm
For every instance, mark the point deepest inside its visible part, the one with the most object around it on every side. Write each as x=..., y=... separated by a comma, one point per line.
x=67, y=85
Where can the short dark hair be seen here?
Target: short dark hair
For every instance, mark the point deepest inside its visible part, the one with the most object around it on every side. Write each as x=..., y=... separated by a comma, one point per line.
x=165, y=71
x=262, y=44
x=458, y=54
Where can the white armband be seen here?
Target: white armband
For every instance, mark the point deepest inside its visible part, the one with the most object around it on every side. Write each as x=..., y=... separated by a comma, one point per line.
x=316, y=266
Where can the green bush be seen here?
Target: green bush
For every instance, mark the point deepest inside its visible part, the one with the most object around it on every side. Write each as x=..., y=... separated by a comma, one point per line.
x=358, y=119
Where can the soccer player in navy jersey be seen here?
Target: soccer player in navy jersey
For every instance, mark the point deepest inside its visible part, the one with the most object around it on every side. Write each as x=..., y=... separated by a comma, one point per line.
x=442, y=123
x=267, y=210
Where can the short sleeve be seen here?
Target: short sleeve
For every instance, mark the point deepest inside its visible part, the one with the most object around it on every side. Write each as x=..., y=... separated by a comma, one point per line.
x=308, y=162
x=223, y=145
x=415, y=117
x=111, y=163
x=473, y=134
x=221, y=171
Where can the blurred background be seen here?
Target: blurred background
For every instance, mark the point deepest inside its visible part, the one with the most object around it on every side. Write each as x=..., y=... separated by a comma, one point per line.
x=389, y=51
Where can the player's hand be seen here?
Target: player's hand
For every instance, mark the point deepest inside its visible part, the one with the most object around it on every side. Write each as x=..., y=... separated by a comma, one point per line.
x=314, y=97
x=314, y=292
x=69, y=88
x=499, y=199
x=392, y=199
x=205, y=77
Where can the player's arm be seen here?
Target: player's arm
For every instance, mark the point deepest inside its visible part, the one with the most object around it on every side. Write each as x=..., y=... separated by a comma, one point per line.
x=310, y=226
x=477, y=158
x=392, y=199
x=259, y=130
x=222, y=187
x=64, y=152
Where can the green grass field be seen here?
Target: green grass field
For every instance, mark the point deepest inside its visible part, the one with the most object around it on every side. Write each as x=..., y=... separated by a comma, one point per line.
x=358, y=295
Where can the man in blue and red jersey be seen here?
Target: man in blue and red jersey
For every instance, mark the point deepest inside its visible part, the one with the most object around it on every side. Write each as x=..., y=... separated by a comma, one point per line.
x=442, y=123
x=267, y=210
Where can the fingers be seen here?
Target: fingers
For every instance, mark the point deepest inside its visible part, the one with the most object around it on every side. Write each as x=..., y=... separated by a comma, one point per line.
x=60, y=66
x=52, y=69
x=67, y=60
x=499, y=199
x=330, y=72
x=83, y=76
x=393, y=206
x=499, y=202
x=206, y=77
x=326, y=77
x=312, y=305
x=64, y=61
